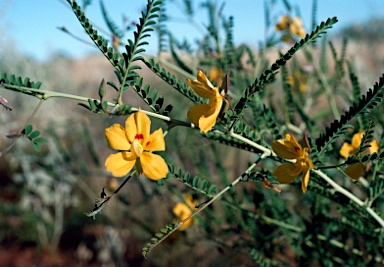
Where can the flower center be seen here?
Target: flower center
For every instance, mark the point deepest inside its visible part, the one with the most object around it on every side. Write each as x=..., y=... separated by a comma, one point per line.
x=137, y=148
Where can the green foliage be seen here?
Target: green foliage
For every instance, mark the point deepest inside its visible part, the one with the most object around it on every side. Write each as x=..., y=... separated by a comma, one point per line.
x=339, y=127
x=110, y=24
x=175, y=56
x=268, y=74
x=367, y=138
x=152, y=98
x=18, y=81
x=161, y=28
x=376, y=190
x=199, y=184
x=230, y=141
x=33, y=136
x=14, y=83
x=172, y=80
x=98, y=40
x=158, y=237
x=250, y=219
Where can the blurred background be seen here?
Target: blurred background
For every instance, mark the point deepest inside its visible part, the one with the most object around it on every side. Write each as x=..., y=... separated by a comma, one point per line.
x=44, y=194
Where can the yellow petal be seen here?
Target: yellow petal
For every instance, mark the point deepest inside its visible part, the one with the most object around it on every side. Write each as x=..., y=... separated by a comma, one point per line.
x=346, y=150
x=137, y=126
x=283, y=150
x=203, y=116
x=216, y=75
x=207, y=121
x=297, y=22
x=143, y=123
x=182, y=211
x=197, y=111
x=292, y=141
x=374, y=147
x=120, y=164
x=190, y=202
x=116, y=137
x=305, y=180
x=155, y=142
x=154, y=166
x=130, y=128
x=287, y=148
x=201, y=89
x=300, y=32
x=202, y=86
x=286, y=173
x=282, y=25
x=355, y=171
x=356, y=139
x=203, y=79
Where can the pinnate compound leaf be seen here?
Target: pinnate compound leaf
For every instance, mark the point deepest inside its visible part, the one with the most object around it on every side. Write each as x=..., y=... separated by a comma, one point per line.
x=28, y=129
x=158, y=237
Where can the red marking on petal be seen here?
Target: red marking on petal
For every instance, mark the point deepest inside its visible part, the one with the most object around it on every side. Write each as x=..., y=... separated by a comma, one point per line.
x=297, y=148
x=139, y=136
x=147, y=143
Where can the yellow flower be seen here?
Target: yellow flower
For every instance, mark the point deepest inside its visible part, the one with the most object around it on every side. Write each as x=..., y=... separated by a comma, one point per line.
x=299, y=78
x=291, y=26
x=135, y=144
x=184, y=210
x=296, y=27
x=289, y=148
x=204, y=115
x=355, y=171
x=216, y=75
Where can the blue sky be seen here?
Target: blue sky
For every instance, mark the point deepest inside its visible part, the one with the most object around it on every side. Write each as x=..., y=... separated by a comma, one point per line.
x=32, y=24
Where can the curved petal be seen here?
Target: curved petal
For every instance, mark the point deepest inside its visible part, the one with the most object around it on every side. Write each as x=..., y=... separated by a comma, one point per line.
x=182, y=211
x=286, y=173
x=137, y=126
x=284, y=22
x=355, y=171
x=202, y=86
x=120, y=164
x=346, y=150
x=196, y=112
x=305, y=180
x=116, y=137
x=282, y=150
x=201, y=77
x=286, y=149
x=300, y=32
x=356, y=139
x=207, y=121
x=143, y=123
x=155, y=142
x=190, y=202
x=201, y=89
x=296, y=27
x=374, y=147
x=130, y=128
x=154, y=166
x=294, y=145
